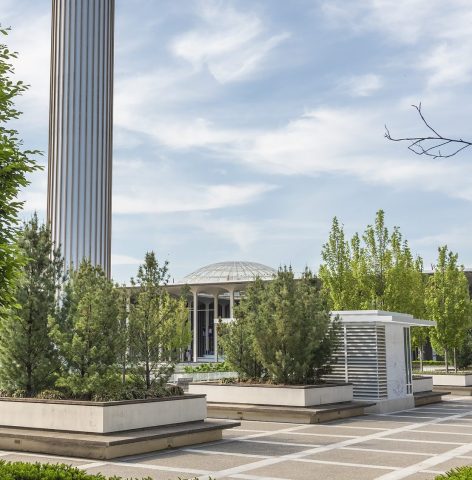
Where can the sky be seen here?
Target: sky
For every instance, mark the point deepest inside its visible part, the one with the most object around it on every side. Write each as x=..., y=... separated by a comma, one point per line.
x=242, y=127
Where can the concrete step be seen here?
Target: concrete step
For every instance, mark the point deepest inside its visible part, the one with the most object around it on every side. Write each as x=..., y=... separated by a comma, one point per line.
x=269, y=413
x=425, y=398
x=112, y=445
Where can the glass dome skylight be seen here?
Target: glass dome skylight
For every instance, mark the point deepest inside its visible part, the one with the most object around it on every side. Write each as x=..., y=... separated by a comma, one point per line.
x=230, y=272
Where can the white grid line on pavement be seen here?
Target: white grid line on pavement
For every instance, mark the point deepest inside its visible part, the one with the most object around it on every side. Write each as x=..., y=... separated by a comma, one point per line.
x=348, y=442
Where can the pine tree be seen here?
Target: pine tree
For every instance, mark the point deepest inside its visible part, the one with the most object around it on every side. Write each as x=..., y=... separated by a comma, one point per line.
x=302, y=336
x=448, y=303
x=237, y=337
x=26, y=352
x=15, y=165
x=158, y=324
x=85, y=331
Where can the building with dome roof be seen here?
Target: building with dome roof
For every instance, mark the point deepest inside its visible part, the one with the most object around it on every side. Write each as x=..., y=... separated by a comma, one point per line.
x=215, y=289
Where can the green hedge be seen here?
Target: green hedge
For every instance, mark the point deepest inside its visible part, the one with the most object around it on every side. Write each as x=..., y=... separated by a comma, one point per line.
x=461, y=473
x=429, y=362
x=208, y=368
x=45, y=471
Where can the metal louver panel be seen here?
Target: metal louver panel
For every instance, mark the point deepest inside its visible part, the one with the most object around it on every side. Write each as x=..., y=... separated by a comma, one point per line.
x=361, y=359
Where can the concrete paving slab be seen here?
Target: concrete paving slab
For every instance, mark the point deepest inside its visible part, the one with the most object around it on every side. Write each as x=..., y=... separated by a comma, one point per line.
x=296, y=471
x=200, y=461
x=327, y=429
x=447, y=427
x=433, y=437
x=388, y=459
x=133, y=472
x=420, y=476
x=294, y=437
x=267, y=449
x=19, y=457
x=453, y=463
x=414, y=447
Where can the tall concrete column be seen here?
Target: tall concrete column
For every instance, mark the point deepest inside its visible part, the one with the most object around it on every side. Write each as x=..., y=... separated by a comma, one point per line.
x=207, y=327
x=231, y=303
x=195, y=326
x=80, y=129
x=215, y=324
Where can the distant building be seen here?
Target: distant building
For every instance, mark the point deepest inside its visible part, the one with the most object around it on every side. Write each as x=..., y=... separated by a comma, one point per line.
x=215, y=289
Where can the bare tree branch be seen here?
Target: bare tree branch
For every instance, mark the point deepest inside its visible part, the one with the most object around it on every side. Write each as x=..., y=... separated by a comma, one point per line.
x=430, y=146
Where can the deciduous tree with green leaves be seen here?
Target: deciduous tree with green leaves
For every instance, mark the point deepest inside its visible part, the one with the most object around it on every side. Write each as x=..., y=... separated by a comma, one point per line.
x=377, y=271
x=26, y=353
x=448, y=303
x=86, y=331
x=158, y=324
x=15, y=165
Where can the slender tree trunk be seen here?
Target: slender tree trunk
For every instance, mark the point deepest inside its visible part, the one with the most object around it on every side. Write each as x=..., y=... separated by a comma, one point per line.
x=446, y=361
x=420, y=354
x=123, y=371
x=148, y=375
x=455, y=360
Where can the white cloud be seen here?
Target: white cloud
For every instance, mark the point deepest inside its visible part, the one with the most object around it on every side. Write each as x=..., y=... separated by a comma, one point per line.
x=243, y=234
x=229, y=43
x=142, y=191
x=117, y=259
x=439, y=31
x=362, y=85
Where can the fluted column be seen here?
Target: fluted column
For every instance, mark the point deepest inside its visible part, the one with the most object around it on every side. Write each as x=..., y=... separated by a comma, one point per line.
x=80, y=129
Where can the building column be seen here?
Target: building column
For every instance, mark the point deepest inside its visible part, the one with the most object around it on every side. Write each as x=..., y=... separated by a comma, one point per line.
x=231, y=303
x=207, y=327
x=195, y=326
x=215, y=323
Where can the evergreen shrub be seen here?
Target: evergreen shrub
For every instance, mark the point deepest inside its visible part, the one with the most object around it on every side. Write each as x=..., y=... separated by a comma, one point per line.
x=282, y=333
x=461, y=473
x=38, y=471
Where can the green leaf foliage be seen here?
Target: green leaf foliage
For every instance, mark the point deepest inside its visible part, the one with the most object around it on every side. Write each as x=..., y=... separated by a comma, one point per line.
x=374, y=271
x=283, y=332
x=448, y=303
x=461, y=473
x=47, y=471
x=158, y=324
x=15, y=165
x=27, y=356
x=85, y=331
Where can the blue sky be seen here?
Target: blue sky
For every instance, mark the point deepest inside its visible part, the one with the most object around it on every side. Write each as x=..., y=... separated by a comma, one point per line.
x=243, y=127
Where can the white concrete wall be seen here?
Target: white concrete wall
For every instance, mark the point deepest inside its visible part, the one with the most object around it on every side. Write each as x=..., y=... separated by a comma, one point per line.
x=423, y=384
x=89, y=418
x=395, y=356
x=273, y=395
x=453, y=380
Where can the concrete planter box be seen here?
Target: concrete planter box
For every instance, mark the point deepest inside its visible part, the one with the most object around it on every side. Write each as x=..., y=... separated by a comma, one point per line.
x=276, y=395
x=464, y=380
x=422, y=384
x=100, y=417
x=203, y=376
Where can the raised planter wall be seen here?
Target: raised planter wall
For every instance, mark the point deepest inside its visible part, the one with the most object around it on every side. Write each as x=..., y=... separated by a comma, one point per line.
x=422, y=384
x=203, y=376
x=101, y=417
x=277, y=395
x=464, y=380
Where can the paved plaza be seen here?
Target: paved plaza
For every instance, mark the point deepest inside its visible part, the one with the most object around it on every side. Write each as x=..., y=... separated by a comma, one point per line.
x=414, y=444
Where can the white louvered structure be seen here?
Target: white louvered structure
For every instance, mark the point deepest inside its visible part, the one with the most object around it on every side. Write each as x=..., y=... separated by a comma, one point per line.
x=374, y=354
x=361, y=359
